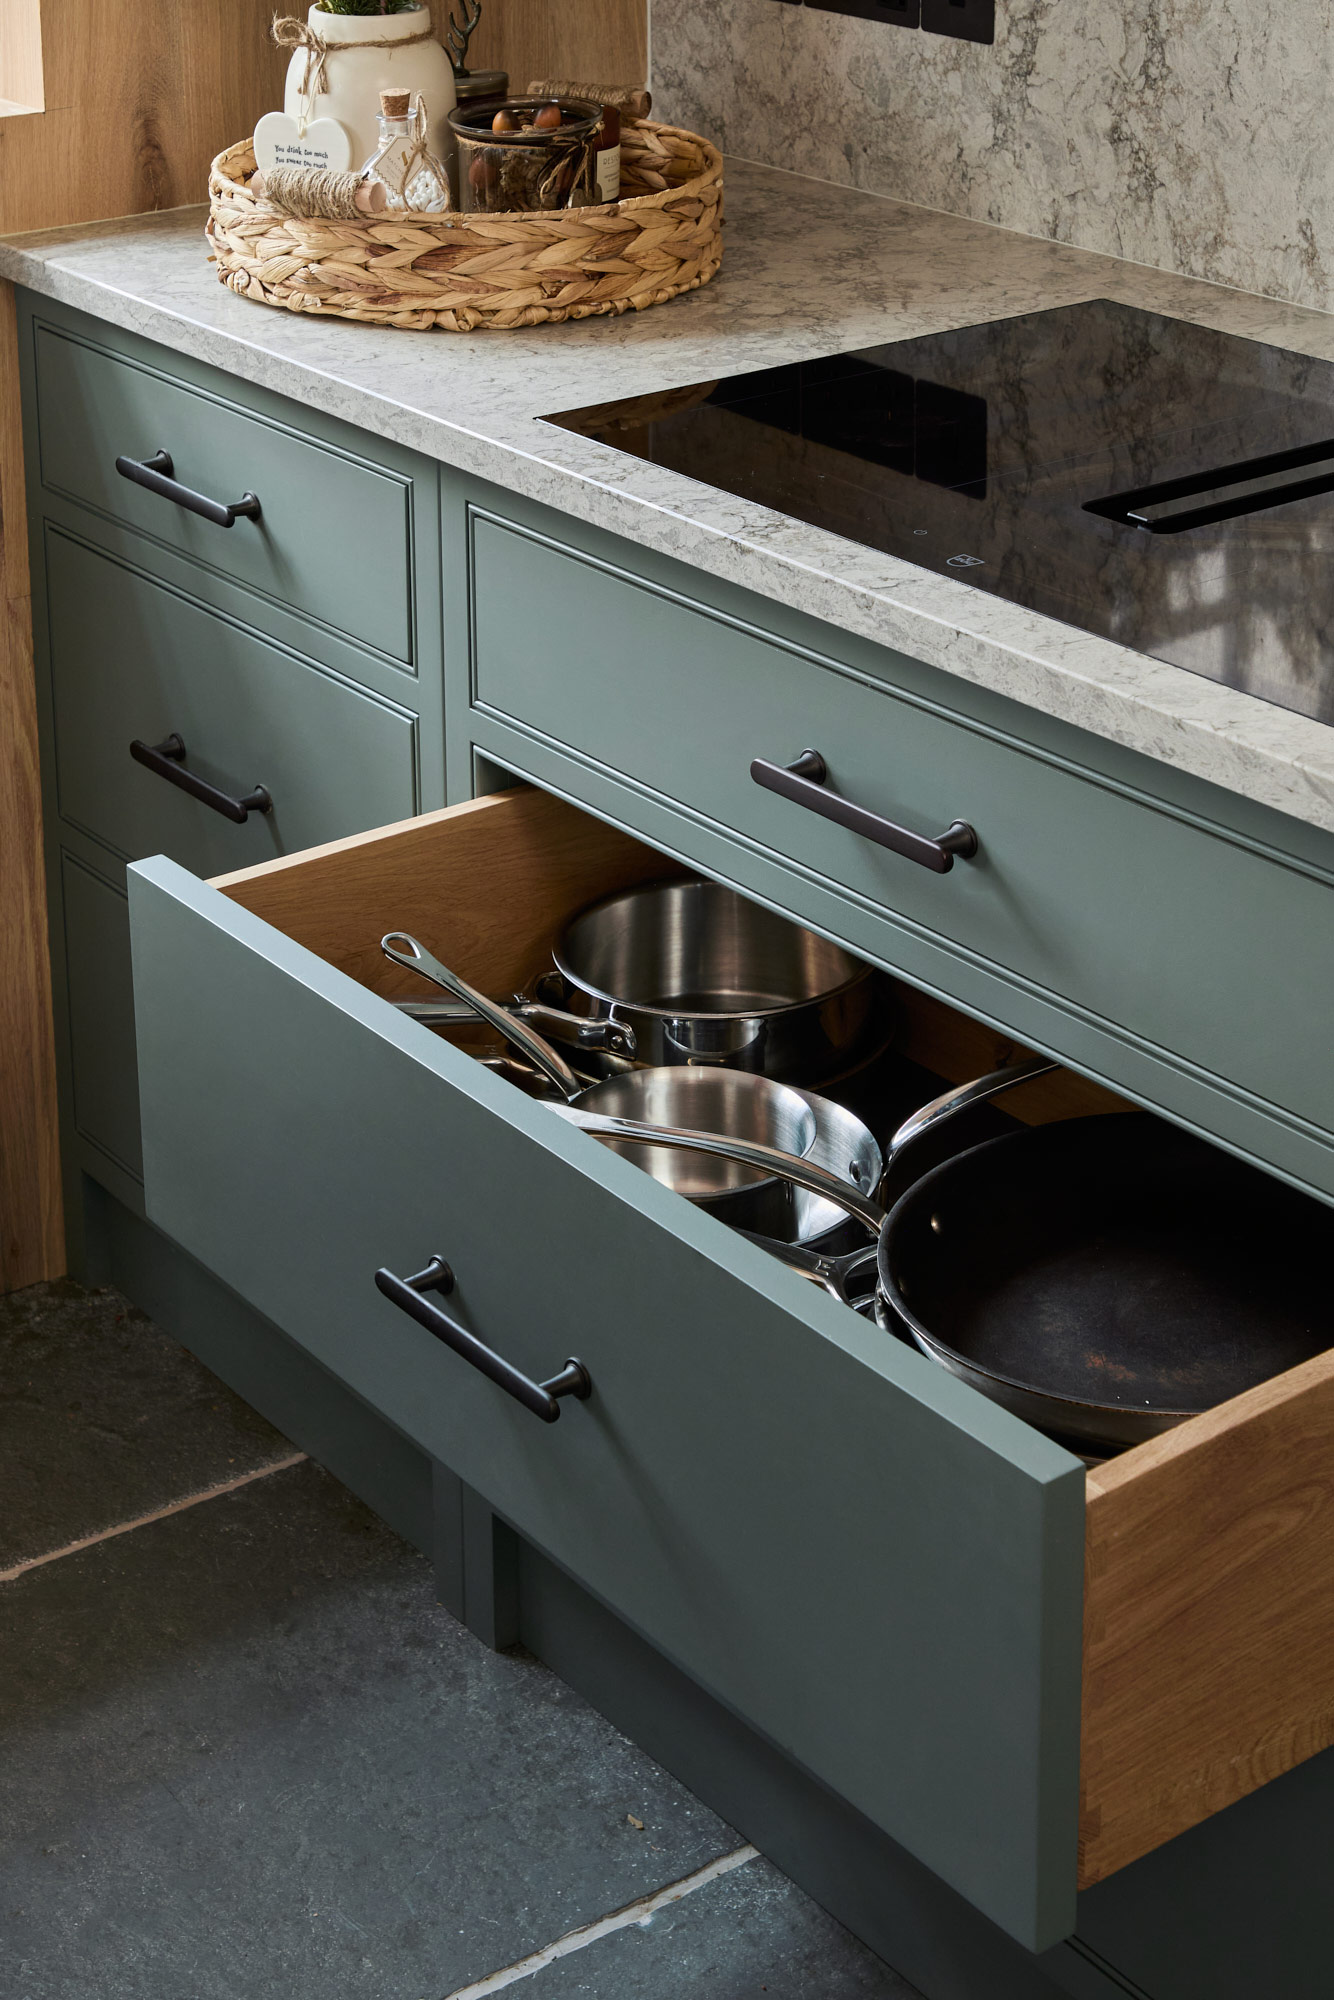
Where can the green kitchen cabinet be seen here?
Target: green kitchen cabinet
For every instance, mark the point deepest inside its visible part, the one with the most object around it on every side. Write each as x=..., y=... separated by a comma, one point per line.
x=277, y=658
x=336, y=536
x=1162, y=936
x=876, y=1568
x=831, y=1586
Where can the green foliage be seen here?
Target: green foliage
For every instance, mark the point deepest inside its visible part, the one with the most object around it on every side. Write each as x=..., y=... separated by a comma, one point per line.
x=367, y=6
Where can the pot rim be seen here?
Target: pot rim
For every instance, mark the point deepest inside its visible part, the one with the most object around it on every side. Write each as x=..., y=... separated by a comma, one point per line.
x=863, y=973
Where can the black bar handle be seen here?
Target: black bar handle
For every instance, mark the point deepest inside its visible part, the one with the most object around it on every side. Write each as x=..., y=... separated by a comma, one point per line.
x=804, y=783
x=539, y=1397
x=168, y=760
x=156, y=474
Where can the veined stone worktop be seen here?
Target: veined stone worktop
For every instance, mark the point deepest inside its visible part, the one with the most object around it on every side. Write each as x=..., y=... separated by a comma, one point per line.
x=810, y=269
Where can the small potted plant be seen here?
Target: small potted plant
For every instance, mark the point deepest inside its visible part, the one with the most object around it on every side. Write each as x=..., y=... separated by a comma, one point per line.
x=347, y=51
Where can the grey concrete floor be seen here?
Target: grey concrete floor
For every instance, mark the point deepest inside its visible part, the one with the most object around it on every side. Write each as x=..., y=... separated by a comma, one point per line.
x=247, y=1755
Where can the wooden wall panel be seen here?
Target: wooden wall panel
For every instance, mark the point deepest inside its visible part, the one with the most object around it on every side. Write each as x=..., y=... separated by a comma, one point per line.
x=140, y=94
x=31, y=1232
x=600, y=41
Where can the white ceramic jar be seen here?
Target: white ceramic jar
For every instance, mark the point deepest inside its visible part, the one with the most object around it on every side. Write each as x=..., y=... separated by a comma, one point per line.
x=355, y=74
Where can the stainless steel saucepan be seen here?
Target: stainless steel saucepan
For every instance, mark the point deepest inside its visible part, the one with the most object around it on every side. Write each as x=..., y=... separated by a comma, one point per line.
x=688, y=972
x=752, y=1109
x=853, y=1192
x=844, y=1144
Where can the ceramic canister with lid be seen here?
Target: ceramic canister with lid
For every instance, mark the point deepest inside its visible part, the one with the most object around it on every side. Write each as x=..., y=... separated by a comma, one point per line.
x=365, y=54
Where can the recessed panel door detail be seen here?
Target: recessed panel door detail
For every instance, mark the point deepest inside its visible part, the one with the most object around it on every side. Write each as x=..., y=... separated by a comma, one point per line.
x=133, y=662
x=1143, y=921
x=332, y=534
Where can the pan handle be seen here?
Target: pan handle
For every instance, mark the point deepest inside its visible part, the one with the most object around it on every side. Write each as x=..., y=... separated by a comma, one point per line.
x=832, y=1272
x=964, y=1094
x=539, y=1397
x=769, y=1159
x=404, y=949
x=612, y=1037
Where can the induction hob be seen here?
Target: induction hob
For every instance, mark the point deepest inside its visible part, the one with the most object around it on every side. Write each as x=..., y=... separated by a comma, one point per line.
x=1138, y=477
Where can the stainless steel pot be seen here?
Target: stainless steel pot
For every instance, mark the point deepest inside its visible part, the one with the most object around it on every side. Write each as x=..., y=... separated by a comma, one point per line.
x=703, y=976
x=688, y=973
x=753, y=1110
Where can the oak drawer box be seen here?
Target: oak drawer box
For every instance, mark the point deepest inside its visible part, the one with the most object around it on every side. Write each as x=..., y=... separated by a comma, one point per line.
x=880, y=1570
x=1173, y=941
x=333, y=539
x=134, y=661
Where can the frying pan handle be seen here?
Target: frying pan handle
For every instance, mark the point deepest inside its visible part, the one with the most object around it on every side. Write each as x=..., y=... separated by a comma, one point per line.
x=821, y=1268
x=748, y=1152
x=404, y=949
x=539, y=1397
x=940, y=1108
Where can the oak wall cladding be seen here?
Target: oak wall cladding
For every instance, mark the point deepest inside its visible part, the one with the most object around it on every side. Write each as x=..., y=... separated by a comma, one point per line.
x=1187, y=134
x=138, y=95
x=31, y=1228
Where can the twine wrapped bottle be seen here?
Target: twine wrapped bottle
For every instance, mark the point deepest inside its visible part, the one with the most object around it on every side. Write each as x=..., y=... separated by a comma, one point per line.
x=403, y=164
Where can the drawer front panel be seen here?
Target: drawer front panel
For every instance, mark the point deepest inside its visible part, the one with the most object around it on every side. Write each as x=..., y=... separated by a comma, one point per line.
x=131, y=659
x=100, y=1000
x=334, y=536
x=878, y=1569
x=1140, y=919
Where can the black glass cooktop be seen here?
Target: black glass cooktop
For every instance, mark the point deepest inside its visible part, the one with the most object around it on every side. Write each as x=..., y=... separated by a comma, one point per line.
x=1142, y=478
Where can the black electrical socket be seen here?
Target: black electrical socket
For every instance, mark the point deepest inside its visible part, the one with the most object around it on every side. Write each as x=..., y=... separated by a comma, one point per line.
x=966, y=20
x=900, y=13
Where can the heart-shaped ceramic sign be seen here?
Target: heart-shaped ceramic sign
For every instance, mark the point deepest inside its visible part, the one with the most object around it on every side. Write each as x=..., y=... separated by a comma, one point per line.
x=280, y=142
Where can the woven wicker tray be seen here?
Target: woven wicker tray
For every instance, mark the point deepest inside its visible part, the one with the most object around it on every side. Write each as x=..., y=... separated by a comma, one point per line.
x=460, y=272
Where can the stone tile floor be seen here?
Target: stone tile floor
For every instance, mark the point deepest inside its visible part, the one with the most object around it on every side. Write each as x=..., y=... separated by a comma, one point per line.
x=246, y=1755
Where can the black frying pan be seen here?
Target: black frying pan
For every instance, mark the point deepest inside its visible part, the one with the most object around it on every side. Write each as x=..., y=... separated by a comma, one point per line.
x=1104, y=1278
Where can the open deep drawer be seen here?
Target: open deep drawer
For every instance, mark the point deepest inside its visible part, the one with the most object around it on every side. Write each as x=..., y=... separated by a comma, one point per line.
x=879, y=1569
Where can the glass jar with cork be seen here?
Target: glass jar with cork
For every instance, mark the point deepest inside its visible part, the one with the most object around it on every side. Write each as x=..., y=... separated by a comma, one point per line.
x=403, y=163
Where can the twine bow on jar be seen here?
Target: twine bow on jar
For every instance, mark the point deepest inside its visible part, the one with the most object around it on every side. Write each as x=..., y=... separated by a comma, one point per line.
x=419, y=152
x=289, y=33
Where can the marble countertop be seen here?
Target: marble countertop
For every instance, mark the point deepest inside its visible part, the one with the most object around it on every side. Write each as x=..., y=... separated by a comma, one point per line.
x=809, y=269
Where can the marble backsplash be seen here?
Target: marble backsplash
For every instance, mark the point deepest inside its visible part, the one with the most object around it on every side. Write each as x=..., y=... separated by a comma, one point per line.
x=1194, y=135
